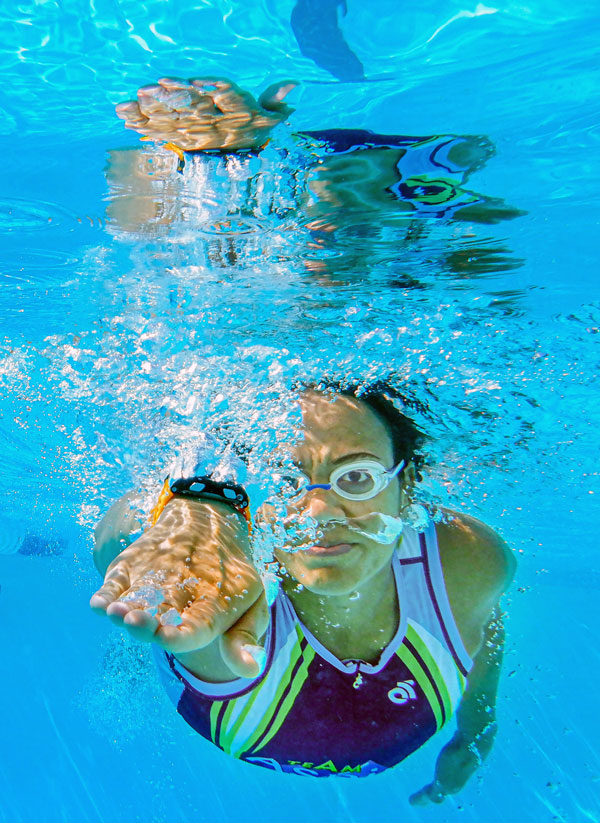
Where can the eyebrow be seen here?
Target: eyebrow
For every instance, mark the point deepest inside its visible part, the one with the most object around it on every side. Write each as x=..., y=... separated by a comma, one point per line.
x=346, y=458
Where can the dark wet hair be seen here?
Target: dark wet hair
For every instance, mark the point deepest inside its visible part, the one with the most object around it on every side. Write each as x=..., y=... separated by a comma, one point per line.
x=407, y=438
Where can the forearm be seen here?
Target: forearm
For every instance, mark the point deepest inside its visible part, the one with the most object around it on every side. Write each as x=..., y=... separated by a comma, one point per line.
x=207, y=664
x=476, y=722
x=476, y=715
x=212, y=664
x=116, y=530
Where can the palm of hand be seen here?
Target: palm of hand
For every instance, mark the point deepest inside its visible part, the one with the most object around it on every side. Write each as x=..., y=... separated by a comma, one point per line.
x=205, y=113
x=191, y=566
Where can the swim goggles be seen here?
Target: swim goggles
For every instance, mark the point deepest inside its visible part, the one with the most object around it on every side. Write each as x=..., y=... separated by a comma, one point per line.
x=358, y=480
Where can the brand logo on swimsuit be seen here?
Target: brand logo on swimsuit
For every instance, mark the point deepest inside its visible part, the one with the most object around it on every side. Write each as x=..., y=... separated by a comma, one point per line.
x=403, y=692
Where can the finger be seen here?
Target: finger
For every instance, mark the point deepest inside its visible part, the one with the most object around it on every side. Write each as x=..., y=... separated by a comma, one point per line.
x=141, y=625
x=203, y=109
x=115, y=584
x=173, y=83
x=428, y=794
x=240, y=645
x=139, y=610
x=130, y=111
x=179, y=100
x=208, y=616
x=119, y=610
x=226, y=95
x=178, y=95
x=208, y=82
x=272, y=98
x=155, y=101
x=145, y=593
x=232, y=100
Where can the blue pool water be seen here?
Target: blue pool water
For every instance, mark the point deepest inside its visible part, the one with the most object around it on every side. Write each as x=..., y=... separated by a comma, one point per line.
x=140, y=307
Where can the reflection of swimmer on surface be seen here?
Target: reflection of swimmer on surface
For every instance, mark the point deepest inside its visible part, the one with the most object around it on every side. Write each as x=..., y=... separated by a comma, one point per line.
x=372, y=643
x=350, y=175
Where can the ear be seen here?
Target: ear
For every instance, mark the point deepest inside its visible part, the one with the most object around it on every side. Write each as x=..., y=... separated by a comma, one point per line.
x=408, y=480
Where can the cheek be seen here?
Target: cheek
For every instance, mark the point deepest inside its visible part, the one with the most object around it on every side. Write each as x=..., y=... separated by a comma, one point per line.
x=389, y=501
x=289, y=561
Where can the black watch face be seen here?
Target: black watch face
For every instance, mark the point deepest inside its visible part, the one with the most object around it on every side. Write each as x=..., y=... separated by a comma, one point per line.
x=206, y=487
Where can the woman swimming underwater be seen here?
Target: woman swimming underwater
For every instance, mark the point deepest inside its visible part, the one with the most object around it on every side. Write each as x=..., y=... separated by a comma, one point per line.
x=370, y=646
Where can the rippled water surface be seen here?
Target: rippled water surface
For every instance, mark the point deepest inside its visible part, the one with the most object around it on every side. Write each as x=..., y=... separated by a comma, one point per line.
x=140, y=307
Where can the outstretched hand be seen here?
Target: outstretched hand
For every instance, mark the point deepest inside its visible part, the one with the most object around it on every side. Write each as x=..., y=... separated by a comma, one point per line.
x=188, y=581
x=206, y=113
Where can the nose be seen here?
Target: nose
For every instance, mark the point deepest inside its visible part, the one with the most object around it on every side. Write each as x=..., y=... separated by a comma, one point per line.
x=322, y=504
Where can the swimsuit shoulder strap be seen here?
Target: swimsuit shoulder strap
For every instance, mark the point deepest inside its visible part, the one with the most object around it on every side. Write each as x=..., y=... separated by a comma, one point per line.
x=424, y=592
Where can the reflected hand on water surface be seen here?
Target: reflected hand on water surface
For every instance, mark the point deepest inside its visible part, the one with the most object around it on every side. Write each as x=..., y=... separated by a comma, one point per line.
x=187, y=582
x=206, y=113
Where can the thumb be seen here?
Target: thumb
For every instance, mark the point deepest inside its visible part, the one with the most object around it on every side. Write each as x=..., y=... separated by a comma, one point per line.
x=241, y=648
x=272, y=98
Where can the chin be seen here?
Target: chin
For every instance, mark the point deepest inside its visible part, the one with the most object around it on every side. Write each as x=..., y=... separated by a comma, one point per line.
x=328, y=582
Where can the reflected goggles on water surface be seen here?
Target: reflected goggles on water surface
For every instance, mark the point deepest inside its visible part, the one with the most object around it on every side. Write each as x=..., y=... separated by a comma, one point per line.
x=356, y=480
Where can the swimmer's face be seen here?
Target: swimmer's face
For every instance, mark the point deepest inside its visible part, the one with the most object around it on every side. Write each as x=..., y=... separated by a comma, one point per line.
x=336, y=432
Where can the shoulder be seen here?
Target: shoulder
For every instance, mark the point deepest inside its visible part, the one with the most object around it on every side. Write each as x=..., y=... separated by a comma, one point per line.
x=465, y=541
x=478, y=567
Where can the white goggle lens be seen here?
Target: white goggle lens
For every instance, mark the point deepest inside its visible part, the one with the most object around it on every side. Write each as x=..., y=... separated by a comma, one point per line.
x=357, y=482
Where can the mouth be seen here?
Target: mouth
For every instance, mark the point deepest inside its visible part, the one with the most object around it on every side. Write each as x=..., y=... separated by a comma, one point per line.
x=328, y=549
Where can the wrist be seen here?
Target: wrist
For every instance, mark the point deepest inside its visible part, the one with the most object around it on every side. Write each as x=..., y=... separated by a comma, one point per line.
x=200, y=527
x=244, y=150
x=202, y=488
x=204, y=513
x=223, y=151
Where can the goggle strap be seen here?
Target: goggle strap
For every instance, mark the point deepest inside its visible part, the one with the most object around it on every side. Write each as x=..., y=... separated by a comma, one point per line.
x=397, y=470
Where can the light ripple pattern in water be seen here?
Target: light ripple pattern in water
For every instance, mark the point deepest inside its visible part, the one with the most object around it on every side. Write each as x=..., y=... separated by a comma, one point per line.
x=141, y=308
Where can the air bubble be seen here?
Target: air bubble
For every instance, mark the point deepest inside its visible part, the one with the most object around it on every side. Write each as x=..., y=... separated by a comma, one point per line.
x=171, y=618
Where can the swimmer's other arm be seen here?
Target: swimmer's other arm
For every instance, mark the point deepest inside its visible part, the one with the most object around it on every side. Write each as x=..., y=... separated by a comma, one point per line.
x=475, y=721
x=196, y=561
x=478, y=567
